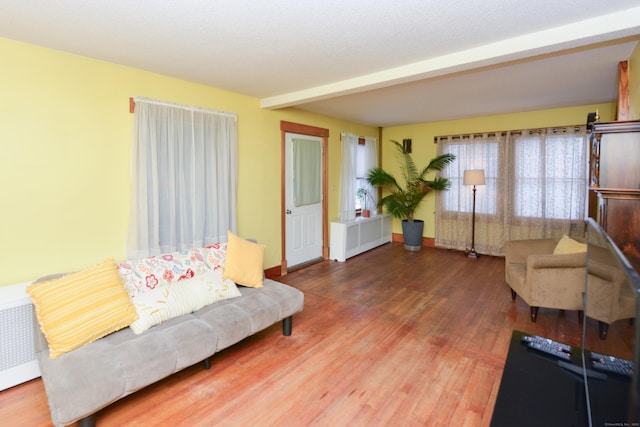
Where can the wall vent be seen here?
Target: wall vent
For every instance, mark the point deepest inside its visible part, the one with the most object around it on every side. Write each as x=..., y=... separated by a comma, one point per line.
x=18, y=361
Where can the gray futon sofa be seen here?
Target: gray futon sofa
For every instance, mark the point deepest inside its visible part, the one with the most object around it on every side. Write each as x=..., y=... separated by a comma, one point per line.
x=83, y=381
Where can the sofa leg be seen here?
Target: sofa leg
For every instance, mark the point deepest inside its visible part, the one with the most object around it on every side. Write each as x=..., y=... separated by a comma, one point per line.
x=89, y=421
x=207, y=363
x=603, y=329
x=287, y=326
x=534, y=314
x=513, y=295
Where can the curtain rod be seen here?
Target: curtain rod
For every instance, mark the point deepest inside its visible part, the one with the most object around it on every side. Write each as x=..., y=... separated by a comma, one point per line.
x=504, y=132
x=133, y=100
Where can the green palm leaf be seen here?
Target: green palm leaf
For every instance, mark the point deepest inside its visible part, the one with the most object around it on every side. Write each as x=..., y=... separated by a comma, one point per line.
x=402, y=202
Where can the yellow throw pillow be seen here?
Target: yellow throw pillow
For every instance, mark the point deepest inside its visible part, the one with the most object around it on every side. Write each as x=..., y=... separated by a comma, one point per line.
x=243, y=261
x=567, y=245
x=82, y=307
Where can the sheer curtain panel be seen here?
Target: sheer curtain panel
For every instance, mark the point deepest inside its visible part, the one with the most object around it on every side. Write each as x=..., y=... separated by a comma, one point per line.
x=536, y=186
x=454, y=207
x=184, y=166
x=348, y=176
x=549, y=182
x=370, y=161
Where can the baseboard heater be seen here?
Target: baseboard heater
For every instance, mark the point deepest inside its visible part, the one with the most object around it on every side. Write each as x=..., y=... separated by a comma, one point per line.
x=352, y=237
x=18, y=362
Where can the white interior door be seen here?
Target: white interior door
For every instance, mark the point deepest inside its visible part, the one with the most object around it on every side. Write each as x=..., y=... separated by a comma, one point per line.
x=303, y=201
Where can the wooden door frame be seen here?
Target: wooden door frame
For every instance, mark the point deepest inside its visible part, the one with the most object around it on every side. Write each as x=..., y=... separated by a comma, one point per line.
x=289, y=127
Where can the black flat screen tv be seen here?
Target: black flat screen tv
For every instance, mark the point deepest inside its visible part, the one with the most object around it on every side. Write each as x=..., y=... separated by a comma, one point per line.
x=604, y=257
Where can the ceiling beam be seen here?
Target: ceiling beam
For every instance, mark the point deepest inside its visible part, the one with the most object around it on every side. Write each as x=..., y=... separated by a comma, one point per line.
x=601, y=29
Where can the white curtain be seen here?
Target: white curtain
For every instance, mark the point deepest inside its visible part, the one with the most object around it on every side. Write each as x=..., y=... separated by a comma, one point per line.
x=184, y=166
x=357, y=159
x=548, y=182
x=454, y=206
x=370, y=161
x=348, y=177
x=536, y=186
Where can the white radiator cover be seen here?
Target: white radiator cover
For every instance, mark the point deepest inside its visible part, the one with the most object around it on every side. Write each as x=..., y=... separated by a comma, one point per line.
x=17, y=352
x=350, y=238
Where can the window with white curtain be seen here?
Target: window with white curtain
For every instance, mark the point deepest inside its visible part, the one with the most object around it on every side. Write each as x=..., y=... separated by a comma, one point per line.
x=183, y=178
x=536, y=186
x=358, y=156
x=362, y=166
x=479, y=154
x=549, y=174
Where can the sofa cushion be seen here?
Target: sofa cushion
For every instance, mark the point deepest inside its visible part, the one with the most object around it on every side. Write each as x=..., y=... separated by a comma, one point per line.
x=566, y=245
x=182, y=297
x=83, y=381
x=244, y=262
x=258, y=309
x=79, y=308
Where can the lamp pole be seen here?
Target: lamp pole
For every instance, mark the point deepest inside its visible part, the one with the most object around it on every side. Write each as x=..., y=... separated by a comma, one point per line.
x=473, y=177
x=472, y=252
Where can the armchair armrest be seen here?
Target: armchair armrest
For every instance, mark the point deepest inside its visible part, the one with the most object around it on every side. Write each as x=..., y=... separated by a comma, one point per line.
x=556, y=281
x=609, y=296
x=575, y=260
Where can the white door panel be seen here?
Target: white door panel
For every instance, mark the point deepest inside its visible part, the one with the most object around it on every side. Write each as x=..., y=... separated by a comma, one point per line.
x=303, y=198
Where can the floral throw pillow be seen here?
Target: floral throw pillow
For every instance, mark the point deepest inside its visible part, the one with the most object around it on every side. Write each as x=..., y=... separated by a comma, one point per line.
x=146, y=274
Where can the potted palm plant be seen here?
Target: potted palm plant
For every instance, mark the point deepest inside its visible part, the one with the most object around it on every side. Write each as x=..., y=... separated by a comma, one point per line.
x=403, y=198
x=363, y=194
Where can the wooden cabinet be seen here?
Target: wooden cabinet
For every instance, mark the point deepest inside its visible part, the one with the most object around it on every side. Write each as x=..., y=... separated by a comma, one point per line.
x=350, y=238
x=614, y=195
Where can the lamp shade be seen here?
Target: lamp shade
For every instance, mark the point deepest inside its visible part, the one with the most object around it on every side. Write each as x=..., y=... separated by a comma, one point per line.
x=474, y=177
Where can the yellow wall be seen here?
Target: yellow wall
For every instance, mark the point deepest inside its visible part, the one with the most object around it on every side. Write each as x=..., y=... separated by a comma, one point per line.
x=65, y=132
x=424, y=148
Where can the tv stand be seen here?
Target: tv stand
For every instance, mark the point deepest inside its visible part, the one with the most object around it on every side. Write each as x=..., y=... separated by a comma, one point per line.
x=537, y=390
x=579, y=370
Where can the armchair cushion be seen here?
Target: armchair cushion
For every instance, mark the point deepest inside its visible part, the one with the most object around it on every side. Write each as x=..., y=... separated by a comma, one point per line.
x=567, y=245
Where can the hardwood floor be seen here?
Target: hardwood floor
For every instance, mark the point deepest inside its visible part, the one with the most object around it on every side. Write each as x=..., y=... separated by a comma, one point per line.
x=388, y=338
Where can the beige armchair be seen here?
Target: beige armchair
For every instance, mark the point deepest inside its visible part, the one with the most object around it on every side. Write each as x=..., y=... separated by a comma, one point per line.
x=543, y=279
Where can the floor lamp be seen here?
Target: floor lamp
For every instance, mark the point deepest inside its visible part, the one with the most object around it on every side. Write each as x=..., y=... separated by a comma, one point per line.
x=473, y=177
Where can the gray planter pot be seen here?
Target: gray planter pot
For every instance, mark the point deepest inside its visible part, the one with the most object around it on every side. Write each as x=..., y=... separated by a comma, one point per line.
x=412, y=234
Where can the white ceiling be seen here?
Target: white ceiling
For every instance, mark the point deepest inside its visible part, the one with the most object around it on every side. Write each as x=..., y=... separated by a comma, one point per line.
x=383, y=62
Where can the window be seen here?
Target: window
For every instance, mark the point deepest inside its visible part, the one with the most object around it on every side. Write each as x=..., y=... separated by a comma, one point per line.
x=361, y=173
x=358, y=156
x=550, y=175
x=481, y=154
x=184, y=178
x=536, y=186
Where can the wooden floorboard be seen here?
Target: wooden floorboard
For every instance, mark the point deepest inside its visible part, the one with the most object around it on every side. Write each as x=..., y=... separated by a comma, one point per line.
x=387, y=338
